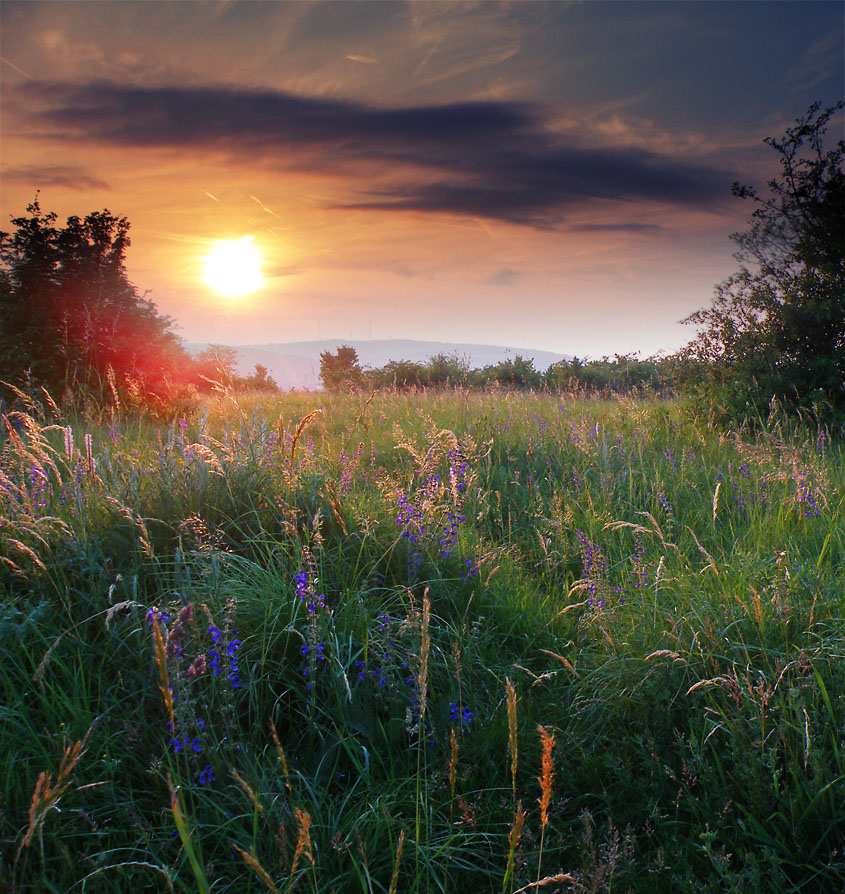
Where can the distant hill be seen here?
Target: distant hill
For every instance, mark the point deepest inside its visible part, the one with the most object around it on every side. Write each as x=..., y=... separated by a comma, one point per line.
x=297, y=364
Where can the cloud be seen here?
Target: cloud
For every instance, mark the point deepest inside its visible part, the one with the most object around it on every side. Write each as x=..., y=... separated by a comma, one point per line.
x=70, y=177
x=616, y=228
x=504, y=277
x=495, y=160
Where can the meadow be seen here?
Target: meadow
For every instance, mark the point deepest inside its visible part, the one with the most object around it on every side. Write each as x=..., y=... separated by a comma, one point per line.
x=466, y=641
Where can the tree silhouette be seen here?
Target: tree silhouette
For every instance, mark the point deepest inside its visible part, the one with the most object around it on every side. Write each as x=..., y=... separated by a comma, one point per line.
x=341, y=371
x=776, y=328
x=69, y=314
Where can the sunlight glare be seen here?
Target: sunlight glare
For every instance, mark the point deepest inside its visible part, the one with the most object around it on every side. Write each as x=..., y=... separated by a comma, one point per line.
x=233, y=267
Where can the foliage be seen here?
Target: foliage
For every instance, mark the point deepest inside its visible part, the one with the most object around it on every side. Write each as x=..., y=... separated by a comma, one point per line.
x=69, y=315
x=776, y=329
x=518, y=373
x=444, y=641
x=217, y=364
x=341, y=371
x=441, y=371
x=621, y=374
x=260, y=380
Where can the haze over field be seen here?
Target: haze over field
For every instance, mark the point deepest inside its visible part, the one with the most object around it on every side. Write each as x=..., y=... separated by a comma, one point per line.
x=544, y=174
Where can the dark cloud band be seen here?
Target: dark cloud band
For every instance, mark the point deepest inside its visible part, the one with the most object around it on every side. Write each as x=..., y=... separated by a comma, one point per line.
x=68, y=176
x=495, y=160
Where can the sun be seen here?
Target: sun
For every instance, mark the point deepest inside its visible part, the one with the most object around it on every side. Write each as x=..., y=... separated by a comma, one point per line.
x=233, y=267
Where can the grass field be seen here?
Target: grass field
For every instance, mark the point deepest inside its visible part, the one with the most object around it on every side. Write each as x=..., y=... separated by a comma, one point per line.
x=460, y=642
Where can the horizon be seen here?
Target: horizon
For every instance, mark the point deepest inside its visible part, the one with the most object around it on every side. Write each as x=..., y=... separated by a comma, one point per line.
x=551, y=175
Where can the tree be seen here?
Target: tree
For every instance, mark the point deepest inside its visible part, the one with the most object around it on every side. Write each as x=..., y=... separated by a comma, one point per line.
x=260, y=380
x=341, y=371
x=776, y=328
x=217, y=364
x=518, y=374
x=70, y=319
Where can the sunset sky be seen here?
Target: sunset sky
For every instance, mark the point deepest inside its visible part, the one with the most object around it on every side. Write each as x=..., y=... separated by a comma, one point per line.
x=543, y=175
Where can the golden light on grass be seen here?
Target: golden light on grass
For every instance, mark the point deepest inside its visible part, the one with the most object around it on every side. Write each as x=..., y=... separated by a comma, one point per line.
x=233, y=267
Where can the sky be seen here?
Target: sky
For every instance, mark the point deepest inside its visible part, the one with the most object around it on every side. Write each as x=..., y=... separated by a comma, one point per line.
x=553, y=176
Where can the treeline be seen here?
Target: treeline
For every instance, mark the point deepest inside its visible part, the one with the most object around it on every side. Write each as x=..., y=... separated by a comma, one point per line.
x=342, y=371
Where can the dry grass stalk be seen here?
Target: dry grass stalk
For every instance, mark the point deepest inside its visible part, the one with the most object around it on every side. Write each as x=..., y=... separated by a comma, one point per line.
x=360, y=416
x=716, y=500
x=68, y=444
x=29, y=553
x=303, y=840
x=113, y=386
x=425, y=648
x=281, y=754
x=513, y=740
x=251, y=860
x=227, y=453
x=47, y=792
x=514, y=837
x=394, y=879
x=704, y=552
x=548, y=880
x=163, y=676
x=300, y=429
x=547, y=772
x=546, y=777
x=38, y=676
x=336, y=507
x=119, y=607
x=453, y=760
x=209, y=457
x=564, y=661
x=89, y=456
x=247, y=789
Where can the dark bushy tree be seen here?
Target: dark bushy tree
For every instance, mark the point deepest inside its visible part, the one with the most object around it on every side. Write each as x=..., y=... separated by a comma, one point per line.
x=621, y=374
x=518, y=374
x=68, y=312
x=776, y=328
x=260, y=380
x=341, y=371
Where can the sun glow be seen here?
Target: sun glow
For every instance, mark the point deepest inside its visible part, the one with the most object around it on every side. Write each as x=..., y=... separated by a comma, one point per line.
x=233, y=267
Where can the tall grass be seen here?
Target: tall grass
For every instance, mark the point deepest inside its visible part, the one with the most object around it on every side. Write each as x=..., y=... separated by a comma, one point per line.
x=307, y=643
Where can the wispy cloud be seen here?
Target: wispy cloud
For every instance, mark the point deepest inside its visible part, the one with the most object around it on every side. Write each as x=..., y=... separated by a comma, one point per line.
x=505, y=277
x=68, y=176
x=616, y=228
x=493, y=160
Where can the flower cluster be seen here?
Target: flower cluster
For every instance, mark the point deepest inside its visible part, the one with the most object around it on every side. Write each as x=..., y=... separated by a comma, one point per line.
x=183, y=659
x=593, y=568
x=637, y=576
x=350, y=466
x=39, y=488
x=306, y=588
x=413, y=529
x=312, y=651
x=227, y=646
x=807, y=497
x=313, y=647
x=460, y=717
x=435, y=509
x=449, y=532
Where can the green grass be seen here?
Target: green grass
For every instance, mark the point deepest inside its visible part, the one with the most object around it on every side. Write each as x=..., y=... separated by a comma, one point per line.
x=667, y=598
